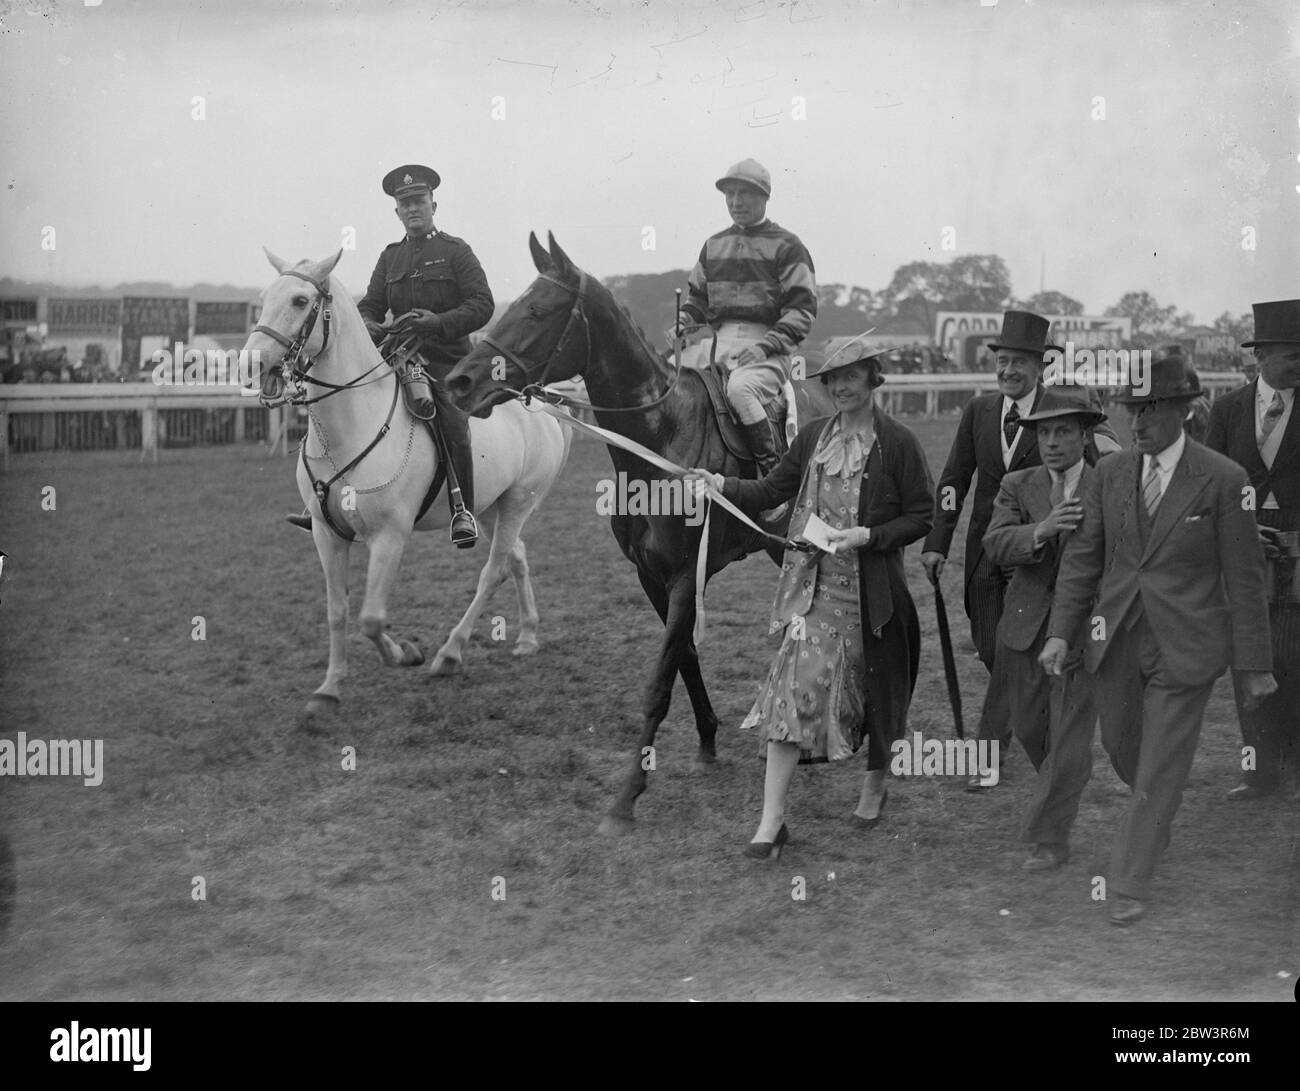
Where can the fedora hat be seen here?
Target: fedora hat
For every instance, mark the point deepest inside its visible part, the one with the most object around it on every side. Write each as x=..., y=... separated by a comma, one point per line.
x=1023, y=331
x=840, y=352
x=1170, y=379
x=412, y=178
x=1065, y=401
x=1276, y=323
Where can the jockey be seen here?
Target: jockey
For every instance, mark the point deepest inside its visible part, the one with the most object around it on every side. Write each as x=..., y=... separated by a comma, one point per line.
x=437, y=293
x=753, y=283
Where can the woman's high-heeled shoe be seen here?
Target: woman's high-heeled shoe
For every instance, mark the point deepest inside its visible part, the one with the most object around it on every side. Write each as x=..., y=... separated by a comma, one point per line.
x=860, y=823
x=768, y=850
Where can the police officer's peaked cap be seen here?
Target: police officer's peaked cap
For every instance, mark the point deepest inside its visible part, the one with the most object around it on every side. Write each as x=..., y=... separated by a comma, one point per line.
x=409, y=179
x=751, y=172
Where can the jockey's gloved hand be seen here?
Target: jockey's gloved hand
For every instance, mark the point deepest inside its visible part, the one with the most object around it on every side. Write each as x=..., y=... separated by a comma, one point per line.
x=687, y=324
x=418, y=321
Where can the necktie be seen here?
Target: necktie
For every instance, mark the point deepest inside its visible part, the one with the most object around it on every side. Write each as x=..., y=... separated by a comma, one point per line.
x=1151, y=488
x=1058, y=489
x=1011, y=424
x=1272, y=415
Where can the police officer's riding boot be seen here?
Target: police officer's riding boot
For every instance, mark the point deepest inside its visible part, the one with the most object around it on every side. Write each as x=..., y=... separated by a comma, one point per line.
x=763, y=446
x=419, y=390
x=454, y=429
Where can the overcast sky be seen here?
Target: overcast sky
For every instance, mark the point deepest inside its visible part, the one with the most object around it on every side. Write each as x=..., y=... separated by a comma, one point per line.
x=882, y=125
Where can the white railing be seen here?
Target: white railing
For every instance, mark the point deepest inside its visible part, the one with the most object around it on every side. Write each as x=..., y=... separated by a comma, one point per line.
x=916, y=395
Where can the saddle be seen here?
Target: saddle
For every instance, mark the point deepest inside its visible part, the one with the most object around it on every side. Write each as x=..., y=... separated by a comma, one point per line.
x=714, y=378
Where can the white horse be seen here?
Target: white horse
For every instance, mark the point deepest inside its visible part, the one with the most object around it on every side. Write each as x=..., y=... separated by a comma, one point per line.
x=376, y=461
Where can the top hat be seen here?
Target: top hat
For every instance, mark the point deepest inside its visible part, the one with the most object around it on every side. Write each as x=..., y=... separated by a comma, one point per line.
x=843, y=351
x=1169, y=379
x=412, y=178
x=1023, y=331
x=1065, y=401
x=751, y=172
x=1276, y=323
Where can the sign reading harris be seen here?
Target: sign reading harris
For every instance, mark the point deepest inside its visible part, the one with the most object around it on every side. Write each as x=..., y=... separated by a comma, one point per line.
x=83, y=315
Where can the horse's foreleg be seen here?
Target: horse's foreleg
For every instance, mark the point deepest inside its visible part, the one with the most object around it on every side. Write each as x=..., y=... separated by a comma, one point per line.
x=386, y=551
x=333, y=554
x=449, y=659
x=526, y=642
x=658, y=696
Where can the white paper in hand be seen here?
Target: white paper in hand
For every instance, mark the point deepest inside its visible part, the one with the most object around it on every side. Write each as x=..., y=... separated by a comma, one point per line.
x=817, y=532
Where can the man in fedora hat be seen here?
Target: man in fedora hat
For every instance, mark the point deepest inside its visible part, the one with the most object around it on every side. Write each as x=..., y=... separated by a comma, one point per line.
x=1036, y=511
x=753, y=284
x=1163, y=582
x=1258, y=428
x=434, y=288
x=990, y=442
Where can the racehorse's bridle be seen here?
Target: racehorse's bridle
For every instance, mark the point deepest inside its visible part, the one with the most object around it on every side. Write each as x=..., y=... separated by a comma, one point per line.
x=295, y=364
x=536, y=376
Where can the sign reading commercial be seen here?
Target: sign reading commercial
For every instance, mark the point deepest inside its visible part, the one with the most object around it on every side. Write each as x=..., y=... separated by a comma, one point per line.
x=224, y=317
x=84, y=316
x=1085, y=331
x=144, y=316
x=18, y=312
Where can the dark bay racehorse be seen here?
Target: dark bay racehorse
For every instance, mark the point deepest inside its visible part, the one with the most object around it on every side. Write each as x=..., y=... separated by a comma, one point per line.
x=567, y=324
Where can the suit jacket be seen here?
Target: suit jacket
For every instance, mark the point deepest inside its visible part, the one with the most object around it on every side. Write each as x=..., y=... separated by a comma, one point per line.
x=1024, y=501
x=1232, y=433
x=1199, y=578
x=437, y=273
x=978, y=446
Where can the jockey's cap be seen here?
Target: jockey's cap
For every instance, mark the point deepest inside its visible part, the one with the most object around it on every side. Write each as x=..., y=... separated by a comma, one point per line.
x=751, y=172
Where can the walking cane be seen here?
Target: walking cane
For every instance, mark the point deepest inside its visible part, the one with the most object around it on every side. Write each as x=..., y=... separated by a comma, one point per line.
x=949, y=663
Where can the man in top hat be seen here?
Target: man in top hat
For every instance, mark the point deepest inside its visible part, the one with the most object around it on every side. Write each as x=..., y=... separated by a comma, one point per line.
x=434, y=288
x=753, y=283
x=1163, y=582
x=1036, y=511
x=991, y=441
x=1258, y=428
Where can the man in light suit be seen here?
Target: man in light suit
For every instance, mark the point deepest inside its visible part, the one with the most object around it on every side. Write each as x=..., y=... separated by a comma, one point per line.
x=991, y=442
x=1164, y=582
x=1034, y=516
x=1258, y=428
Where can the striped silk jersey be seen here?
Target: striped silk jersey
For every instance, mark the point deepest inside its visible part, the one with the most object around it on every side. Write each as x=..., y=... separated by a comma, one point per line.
x=757, y=274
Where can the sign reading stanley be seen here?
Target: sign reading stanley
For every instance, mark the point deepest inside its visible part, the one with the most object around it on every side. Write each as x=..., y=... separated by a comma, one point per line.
x=144, y=316
x=84, y=315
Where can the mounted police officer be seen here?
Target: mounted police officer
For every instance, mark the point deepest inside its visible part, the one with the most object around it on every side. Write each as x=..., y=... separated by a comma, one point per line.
x=437, y=293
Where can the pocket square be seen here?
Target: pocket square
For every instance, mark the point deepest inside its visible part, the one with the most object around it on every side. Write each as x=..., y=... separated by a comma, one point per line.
x=1197, y=516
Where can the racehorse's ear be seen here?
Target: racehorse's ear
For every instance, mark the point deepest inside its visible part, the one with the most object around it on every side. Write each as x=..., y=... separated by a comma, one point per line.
x=540, y=257
x=279, y=264
x=561, y=259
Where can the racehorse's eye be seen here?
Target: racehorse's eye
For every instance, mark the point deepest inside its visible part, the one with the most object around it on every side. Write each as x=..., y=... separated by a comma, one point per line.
x=300, y=301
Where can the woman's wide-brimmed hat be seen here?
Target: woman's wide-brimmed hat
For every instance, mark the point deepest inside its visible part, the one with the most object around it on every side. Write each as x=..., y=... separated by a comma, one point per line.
x=1065, y=401
x=842, y=351
x=1169, y=379
x=1276, y=323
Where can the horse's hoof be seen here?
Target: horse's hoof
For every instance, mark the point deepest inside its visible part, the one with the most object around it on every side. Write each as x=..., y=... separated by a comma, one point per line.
x=443, y=667
x=705, y=763
x=412, y=656
x=523, y=648
x=321, y=704
x=613, y=825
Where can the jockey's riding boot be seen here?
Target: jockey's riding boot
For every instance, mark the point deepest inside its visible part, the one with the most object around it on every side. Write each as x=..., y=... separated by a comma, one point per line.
x=454, y=428
x=419, y=390
x=303, y=520
x=763, y=446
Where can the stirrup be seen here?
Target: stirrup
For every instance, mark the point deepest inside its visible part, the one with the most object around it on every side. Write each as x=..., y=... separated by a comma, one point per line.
x=465, y=540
